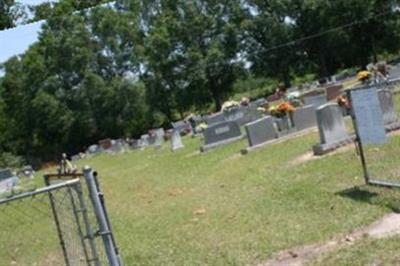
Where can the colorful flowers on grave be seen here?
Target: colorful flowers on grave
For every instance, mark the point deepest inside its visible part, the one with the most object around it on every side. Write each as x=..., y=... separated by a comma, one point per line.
x=229, y=104
x=363, y=76
x=281, y=109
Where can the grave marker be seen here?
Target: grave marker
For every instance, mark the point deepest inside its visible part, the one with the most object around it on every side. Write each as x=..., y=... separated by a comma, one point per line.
x=390, y=118
x=7, y=181
x=315, y=100
x=332, y=129
x=176, y=141
x=215, y=118
x=260, y=132
x=332, y=92
x=220, y=134
x=304, y=117
x=105, y=144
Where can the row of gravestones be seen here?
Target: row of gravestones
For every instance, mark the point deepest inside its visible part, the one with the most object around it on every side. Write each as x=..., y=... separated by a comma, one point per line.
x=333, y=132
x=328, y=118
x=240, y=114
x=260, y=131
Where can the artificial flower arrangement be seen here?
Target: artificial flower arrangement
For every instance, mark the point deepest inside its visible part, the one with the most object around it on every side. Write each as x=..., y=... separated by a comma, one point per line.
x=229, y=104
x=282, y=109
x=363, y=76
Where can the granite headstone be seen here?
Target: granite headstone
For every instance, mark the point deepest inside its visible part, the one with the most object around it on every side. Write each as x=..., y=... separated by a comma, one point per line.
x=332, y=129
x=220, y=134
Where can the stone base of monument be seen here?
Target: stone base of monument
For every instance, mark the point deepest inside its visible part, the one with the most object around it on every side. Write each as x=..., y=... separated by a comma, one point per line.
x=293, y=134
x=392, y=127
x=322, y=149
x=214, y=145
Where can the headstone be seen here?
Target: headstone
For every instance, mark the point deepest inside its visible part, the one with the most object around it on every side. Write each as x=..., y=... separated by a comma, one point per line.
x=332, y=129
x=7, y=181
x=168, y=134
x=93, y=149
x=259, y=102
x=135, y=144
x=159, y=137
x=220, y=134
x=332, y=92
x=75, y=157
x=234, y=114
x=144, y=139
x=176, y=141
x=181, y=126
x=316, y=100
x=118, y=146
x=304, y=117
x=387, y=106
x=368, y=115
x=214, y=118
x=105, y=144
x=261, y=131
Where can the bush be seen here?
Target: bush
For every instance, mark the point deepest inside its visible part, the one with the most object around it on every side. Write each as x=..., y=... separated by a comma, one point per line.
x=8, y=160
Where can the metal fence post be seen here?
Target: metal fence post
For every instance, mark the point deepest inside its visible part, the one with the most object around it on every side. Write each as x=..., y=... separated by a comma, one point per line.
x=105, y=232
x=89, y=231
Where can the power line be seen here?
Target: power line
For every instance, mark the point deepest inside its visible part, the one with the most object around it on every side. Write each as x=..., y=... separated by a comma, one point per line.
x=316, y=35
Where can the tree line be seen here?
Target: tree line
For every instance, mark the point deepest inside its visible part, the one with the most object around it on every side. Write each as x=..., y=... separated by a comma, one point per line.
x=102, y=69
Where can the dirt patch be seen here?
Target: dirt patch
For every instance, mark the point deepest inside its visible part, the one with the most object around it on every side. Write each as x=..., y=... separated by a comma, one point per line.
x=385, y=227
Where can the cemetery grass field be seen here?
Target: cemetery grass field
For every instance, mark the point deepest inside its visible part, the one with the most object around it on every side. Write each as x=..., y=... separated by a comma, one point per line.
x=222, y=208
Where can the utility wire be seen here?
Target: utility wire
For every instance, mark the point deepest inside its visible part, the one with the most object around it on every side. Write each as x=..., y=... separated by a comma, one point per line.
x=316, y=35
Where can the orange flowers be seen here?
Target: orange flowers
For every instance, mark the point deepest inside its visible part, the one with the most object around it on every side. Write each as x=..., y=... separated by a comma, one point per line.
x=286, y=107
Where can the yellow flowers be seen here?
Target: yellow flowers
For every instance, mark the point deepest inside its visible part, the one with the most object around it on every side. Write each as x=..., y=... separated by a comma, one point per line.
x=363, y=75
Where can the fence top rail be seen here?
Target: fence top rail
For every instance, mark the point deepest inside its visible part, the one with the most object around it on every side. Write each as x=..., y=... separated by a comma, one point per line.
x=40, y=191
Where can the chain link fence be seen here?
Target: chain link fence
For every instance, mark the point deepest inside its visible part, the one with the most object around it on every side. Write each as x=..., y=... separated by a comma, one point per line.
x=64, y=223
x=380, y=158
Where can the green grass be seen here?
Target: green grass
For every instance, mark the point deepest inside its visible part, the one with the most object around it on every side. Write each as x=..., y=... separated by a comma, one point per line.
x=366, y=252
x=222, y=208
x=255, y=205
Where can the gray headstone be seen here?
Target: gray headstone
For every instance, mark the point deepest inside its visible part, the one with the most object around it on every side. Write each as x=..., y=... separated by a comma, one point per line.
x=181, y=126
x=333, y=91
x=316, y=100
x=176, y=140
x=261, y=131
x=332, y=129
x=7, y=181
x=5, y=174
x=220, y=134
x=368, y=115
x=159, y=133
x=304, y=117
x=93, y=149
x=144, y=139
x=135, y=144
x=258, y=102
x=387, y=106
x=75, y=157
x=214, y=118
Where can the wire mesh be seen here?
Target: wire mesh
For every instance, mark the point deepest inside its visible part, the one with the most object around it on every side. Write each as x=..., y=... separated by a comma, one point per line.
x=89, y=226
x=28, y=234
x=51, y=227
x=382, y=159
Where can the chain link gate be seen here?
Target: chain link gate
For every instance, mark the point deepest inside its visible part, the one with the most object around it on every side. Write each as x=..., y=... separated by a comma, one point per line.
x=376, y=131
x=64, y=223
